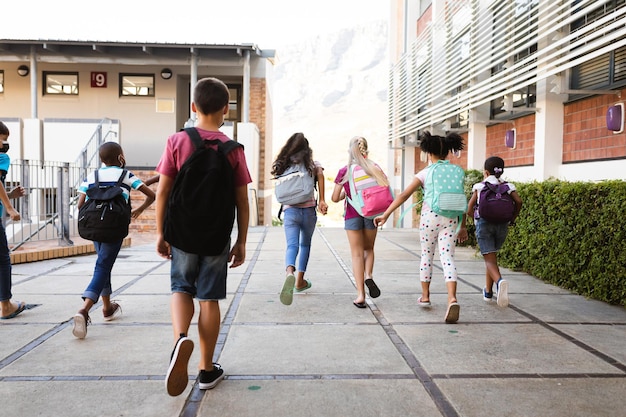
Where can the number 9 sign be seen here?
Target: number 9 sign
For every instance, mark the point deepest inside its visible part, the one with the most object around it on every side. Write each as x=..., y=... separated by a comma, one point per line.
x=98, y=79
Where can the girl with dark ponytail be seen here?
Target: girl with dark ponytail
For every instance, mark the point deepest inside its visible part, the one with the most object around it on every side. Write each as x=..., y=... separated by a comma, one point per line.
x=435, y=228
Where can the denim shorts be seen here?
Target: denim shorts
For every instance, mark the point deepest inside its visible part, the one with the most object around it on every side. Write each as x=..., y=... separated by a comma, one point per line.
x=359, y=223
x=490, y=236
x=203, y=277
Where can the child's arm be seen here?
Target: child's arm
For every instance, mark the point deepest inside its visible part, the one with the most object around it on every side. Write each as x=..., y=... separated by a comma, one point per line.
x=152, y=180
x=322, y=206
x=518, y=206
x=6, y=202
x=17, y=192
x=238, y=253
x=338, y=193
x=162, y=196
x=398, y=201
x=146, y=203
x=472, y=203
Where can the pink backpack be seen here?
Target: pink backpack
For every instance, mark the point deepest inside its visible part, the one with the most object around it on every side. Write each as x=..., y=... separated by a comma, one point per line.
x=367, y=197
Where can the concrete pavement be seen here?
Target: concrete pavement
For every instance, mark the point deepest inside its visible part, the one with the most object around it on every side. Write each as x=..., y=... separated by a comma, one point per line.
x=550, y=353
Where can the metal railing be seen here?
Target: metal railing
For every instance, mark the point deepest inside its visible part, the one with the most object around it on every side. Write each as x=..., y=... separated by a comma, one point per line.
x=48, y=208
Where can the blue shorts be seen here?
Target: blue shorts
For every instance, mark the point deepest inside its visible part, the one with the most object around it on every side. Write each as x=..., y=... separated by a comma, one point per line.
x=490, y=236
x=359, y=223
x=203, y=277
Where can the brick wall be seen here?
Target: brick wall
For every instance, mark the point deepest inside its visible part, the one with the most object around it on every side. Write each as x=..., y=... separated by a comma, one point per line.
x=585, y=136
x=259, y=116
x=523, y=154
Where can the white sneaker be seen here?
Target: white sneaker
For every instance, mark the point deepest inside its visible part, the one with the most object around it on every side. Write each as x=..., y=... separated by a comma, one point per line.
x=503, y=292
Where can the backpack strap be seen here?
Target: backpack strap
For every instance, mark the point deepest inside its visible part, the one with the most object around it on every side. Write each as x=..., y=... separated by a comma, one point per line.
x=353, y=193
x=96, y=183
x=120, y=180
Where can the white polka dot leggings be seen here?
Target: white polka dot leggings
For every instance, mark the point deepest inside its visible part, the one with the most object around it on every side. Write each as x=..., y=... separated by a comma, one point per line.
x=435, y=228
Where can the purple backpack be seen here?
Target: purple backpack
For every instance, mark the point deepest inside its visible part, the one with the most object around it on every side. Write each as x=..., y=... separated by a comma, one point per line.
x=495, y=203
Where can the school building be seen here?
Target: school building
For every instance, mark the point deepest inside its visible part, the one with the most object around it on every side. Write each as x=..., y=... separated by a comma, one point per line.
x=540, y=83
x=57, y=96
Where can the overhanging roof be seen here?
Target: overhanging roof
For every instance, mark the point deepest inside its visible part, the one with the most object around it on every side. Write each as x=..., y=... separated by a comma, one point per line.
x=62, y=51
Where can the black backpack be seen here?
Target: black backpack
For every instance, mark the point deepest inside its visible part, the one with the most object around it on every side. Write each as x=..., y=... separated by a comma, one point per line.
x=201, y=207
x=105, y=216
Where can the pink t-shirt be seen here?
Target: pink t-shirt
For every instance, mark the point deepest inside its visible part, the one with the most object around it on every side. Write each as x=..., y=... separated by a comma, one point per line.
x=179, y=147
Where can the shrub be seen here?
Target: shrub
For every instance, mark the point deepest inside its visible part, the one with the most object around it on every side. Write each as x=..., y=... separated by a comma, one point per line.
x=570, y=234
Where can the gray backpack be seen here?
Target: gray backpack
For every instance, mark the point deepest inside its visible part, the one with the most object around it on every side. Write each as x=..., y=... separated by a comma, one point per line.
x=294, y=186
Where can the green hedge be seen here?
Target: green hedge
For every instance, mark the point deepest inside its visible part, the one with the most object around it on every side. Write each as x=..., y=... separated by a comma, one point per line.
x=570, y=234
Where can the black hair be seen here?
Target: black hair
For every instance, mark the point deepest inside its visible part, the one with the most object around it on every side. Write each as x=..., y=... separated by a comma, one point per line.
x=296, y=150
x=4, y=130
x=495, y=166
x=109, y=153
x=439, y=145
x=210, y=95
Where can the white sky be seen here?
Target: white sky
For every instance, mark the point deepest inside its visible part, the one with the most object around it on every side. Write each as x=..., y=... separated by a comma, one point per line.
x=266, y=23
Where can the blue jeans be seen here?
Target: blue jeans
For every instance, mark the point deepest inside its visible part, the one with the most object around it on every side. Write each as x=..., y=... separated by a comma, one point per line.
x=299, y=227
x=490, y=236
x=5, y=267
x=101, y=282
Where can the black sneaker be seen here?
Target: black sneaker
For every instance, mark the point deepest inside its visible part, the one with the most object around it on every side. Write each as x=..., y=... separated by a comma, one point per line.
x=209, y=379
x=177, y=378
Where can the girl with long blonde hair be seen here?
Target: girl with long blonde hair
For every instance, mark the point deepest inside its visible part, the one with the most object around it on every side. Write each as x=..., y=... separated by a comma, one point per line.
x=361, y=231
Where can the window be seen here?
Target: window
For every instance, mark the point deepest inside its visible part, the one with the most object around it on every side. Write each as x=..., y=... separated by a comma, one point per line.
x=604, y=71
x=60, y=83
x=1, y=81
x=137, y=85
x=513, y=26
x=233, y=104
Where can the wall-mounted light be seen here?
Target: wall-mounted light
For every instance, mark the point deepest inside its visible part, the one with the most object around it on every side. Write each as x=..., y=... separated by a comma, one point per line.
x=510, y=139
x=166, y=73
x=23, y=70
x=615, y=118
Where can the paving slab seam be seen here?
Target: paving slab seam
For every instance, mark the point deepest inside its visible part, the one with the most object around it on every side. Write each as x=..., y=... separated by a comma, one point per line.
x=439, y=399
x=606, y=358
x=191, y=408
x=529, y=376
x=60, y=327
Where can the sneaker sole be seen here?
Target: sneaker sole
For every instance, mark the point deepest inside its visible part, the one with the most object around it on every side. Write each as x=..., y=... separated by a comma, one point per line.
x=113, y=316
x=286, y=295
x=452, y=315
x=210, y=385
x=503, y=294
x=80, y=326
x=177, y=378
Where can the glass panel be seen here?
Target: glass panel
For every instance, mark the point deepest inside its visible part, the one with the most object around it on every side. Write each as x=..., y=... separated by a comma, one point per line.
x=233, y=104
x=61, y=83
x=137, y=85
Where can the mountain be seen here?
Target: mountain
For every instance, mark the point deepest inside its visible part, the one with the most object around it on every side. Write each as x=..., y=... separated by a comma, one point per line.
x=331, y=88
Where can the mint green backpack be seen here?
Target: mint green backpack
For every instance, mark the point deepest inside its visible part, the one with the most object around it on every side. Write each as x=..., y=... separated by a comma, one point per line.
x=443, y=190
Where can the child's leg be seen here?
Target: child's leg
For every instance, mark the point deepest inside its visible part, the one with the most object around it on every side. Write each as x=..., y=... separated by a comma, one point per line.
x=369, y=239
x=357, y=250
x=208, y=329
x=182, y=310
x=447, y=247
x=309, y=219
x=428, y=242
x=492, y=274
x=292, y=236
x=101, y=281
